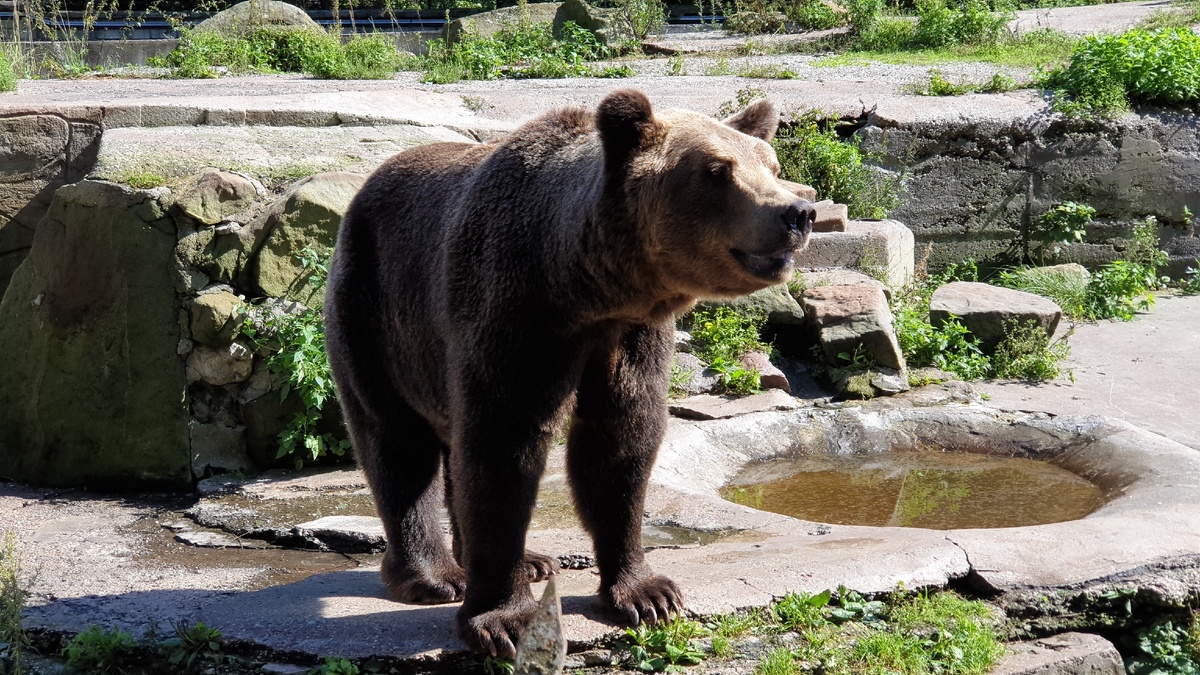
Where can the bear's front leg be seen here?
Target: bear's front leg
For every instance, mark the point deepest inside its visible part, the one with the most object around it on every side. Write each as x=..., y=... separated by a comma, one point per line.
x=619, y=422
x=505, y=421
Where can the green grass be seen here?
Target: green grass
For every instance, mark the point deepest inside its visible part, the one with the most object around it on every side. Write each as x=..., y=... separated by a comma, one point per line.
x=13, y=640
x=8, y=76
x=1180, y=15
x=289, y=50
x=767, y=72
x=138, y=179
x=522, y=50
x=1038, y=48
x=1068, y=291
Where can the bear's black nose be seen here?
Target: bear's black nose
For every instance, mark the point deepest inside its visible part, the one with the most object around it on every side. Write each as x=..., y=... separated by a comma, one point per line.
x=800, y=217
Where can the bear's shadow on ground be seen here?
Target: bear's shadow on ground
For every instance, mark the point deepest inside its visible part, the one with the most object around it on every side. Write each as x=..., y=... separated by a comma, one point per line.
x=342, y=613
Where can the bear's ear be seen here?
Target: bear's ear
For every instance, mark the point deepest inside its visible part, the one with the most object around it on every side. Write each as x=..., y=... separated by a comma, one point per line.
x=626, y=123
x=760, y=119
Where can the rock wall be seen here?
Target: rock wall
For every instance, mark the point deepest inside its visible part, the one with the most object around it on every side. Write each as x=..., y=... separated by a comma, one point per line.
x=973, y=186
x=39, y=153
x=126, y=313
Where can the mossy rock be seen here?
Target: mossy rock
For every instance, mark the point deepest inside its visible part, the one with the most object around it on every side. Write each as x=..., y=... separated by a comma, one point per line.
x=307, y=216
x=98, y=395
x=247, y=16
x=487, y=24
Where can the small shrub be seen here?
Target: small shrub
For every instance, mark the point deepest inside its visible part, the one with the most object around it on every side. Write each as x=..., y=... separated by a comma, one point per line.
x=864, y=15
x=1062, y=225
x=1120, y=290
x=814, y=155
x=1108, y=73
x=676, y=65
x=98, y=651
x=813, y=15
x=972, y=23
x=296, y=343
x=1026, y=353
x=617, y=71
x=887, y=35
x=643, y=16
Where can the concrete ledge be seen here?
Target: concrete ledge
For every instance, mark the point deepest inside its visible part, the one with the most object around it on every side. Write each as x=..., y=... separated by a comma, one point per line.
x=880, y=248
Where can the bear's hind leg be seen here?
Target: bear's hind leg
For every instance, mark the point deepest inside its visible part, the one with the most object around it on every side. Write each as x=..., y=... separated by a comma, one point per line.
x=619, y=422
x=401, y=455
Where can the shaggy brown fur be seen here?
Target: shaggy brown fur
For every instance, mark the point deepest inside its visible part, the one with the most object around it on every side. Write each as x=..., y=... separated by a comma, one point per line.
x=481, y=292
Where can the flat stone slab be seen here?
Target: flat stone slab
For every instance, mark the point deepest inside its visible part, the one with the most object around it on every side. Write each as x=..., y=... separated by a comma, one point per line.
x=346, y=532
x=206, y=539
x=1064, y=654
x=712, y=407
x=986, y=310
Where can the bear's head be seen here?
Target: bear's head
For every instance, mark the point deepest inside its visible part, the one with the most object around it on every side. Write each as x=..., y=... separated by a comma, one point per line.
x=712, y=214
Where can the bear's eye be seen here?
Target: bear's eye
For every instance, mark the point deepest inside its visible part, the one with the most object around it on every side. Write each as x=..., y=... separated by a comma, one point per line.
x=721, y=168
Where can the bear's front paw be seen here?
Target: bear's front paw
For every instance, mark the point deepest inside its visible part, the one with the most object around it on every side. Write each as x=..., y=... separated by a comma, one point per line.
x=643, y=596
x=540, y=567
x=497, y=631
x=431, y=583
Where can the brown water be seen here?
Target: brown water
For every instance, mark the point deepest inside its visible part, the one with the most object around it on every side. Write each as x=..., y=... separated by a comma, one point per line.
x=935, y=490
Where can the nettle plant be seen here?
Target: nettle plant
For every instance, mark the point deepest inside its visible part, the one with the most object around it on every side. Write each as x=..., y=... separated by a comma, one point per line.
x=1062, y=225
x=297, y=358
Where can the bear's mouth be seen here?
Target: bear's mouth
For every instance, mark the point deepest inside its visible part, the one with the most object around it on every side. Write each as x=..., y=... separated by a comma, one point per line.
x=766, y=266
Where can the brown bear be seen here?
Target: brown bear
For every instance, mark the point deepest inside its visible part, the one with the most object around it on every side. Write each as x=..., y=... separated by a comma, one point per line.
x=481, y=293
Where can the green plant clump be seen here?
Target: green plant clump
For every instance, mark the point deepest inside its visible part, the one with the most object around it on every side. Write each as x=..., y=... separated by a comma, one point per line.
x=664, y=646
x=813, y=15
x=1108, y=73
x=1060, y=226
x=98, y=651
x=925, y=633
x=8, y=77
x=721, y=337
x=950, y=346
x=13, y=640
x=521, y=50
x=1165, y=649
x=1026, y=353
x=290, y=50
x=296, y=343
x=193, y=646
x=1190, y=284
x=335, y=665
x=813, y=154
x=939, y=25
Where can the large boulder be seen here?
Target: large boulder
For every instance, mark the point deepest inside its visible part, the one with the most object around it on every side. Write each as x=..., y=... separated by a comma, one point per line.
x=306, y=217
x=214, y=195
x=608, y=25
x=847, y=318
x=246, y=16
x=985, y=310
x=95, y=393
x=487, y=24
x=773, y=302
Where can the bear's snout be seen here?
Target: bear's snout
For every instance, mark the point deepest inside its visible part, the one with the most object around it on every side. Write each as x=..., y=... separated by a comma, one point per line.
x=800, y=216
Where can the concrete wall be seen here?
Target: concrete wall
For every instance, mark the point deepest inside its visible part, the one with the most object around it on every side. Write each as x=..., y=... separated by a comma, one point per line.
x=973, y=186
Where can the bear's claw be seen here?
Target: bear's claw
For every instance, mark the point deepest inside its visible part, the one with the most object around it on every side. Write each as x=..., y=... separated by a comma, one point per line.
x=644, y=598
x=497, y=631
x=431, y=584
x=540, y=567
